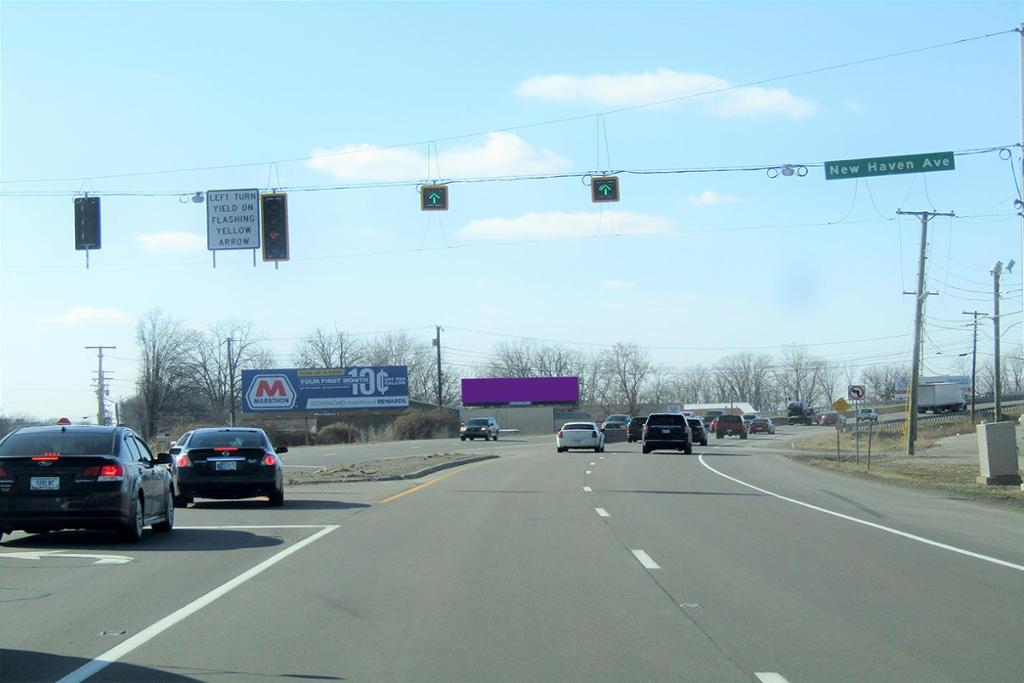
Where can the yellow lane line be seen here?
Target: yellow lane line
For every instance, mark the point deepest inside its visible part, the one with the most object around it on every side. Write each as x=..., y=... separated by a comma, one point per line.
x=433, y=481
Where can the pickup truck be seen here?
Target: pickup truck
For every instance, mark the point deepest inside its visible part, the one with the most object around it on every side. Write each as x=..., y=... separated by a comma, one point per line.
x=800, y=412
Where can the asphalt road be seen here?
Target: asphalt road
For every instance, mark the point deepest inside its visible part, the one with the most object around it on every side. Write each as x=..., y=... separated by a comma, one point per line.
x=734, y=565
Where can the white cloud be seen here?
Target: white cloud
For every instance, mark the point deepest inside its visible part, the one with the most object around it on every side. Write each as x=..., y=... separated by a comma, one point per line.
x=625, y=90
x=559, y=225
x=712, y=198
x=616, y=284
x=500, y=154
x=78, y=315
x=172, y=241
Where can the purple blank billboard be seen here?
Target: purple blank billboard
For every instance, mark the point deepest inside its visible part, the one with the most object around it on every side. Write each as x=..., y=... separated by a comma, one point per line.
x=520, y=390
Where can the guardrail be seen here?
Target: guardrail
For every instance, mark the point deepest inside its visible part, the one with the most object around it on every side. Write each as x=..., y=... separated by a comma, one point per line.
x=935, y=418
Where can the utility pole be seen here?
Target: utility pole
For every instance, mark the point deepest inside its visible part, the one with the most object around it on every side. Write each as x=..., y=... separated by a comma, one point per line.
x=997, y=270
x=974, y=357
x=437, y=343
x=231, y=380
x=101, y=410
x=920, y=294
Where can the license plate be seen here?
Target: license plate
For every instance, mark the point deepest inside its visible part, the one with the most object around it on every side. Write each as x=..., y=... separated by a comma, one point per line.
x=229, y=465
x=44, y=483
x=666, y=431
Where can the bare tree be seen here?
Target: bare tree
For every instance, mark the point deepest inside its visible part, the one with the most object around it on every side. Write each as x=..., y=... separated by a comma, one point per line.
x=164, y=374
x=399, y=348
x=795, y=374
x=327, y=349
x=745, y=377
x=512, y=359
x=885, y=380
x=214, y=374
x=827, y=378
x=628, y=368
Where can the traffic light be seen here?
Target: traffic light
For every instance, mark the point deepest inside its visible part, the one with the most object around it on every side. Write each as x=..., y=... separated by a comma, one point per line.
x=87, y=223
x=434, y=198
x=274, y=215
x=604, y=188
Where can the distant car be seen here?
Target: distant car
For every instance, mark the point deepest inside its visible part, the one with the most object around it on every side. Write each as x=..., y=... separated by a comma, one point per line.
x=479, y=427
x=748, y=418
x=830, y=418
x=867, y=415
x=667, y=430
x=761, y=424
x=635, y=430
x=82, y=477
x=698, y=431
x=801, y=412
x=228, y=463
x=579, y=435
x=616, y=421
x=730, y=425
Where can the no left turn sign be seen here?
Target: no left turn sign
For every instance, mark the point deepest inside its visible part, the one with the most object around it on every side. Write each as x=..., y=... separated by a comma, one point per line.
x=856, y=392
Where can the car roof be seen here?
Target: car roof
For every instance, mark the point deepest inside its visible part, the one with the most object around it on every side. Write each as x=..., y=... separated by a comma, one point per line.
x=244, y=430
x=95, y=429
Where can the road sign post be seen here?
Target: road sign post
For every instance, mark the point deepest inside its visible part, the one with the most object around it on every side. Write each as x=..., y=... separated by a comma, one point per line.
x=604, y=188
x=434, y=198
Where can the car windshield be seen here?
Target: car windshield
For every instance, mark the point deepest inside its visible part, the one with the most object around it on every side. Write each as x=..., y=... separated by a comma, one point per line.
x=478, y=422
x=221, y=439
x=56, y=441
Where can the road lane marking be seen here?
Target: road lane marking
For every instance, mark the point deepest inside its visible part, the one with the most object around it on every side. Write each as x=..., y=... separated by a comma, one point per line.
x=592, y=464
x=37, y=555
x=602, y=512
x=770, y=677
x=147, y=634
x=253, y=526
x=433, y=481
x=601, y=458
x=645, y=559
x=896, y=532
x=309, y=467
x=588, y=472
x=587, y=489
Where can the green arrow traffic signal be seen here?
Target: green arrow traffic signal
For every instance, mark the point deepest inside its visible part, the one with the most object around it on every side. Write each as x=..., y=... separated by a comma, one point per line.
x=604, y=188
x=434, y=197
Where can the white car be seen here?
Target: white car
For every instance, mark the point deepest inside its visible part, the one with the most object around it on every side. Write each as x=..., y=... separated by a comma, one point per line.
x=580, y=435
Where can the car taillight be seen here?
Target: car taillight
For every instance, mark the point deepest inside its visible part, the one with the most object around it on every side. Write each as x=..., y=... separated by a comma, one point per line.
x=183, y=461
x=3, y=472
x=559, y=433
x=269, y=459
x=113, y=472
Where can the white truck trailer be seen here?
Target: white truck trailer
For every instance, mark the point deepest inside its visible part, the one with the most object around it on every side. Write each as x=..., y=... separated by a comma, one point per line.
x=940, y=397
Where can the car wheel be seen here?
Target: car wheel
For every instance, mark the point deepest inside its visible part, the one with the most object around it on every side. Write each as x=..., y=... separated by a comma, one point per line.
x=168, y=523
x=743, y=436
x=131, y=531
x=689, y=449
x=462, y=438
x=704, y=442
x=495, y=437
x=645, y=449
x=561, y=450
x=276, y=498
x=718, y=435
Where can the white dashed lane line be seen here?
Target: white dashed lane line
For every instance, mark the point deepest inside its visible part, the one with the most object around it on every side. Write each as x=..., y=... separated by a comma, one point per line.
x=588, y=472
x=770, y=677
x=602, y=512
x=587, y=489
x=645, y=559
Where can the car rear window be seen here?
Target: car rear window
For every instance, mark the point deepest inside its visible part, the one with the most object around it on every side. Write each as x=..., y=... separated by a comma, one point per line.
x=63, y=442
x=655, y=420
x=638, y=420
x=729, y=418
x=226, y=439
x=579, y=426
x=477, y=422
x=761, y=420
x=695, y=422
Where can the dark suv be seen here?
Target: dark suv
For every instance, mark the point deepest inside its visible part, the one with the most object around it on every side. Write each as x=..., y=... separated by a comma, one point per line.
x=800, y=412
x=730, y=425
x=635, y=430
x=484, y=427
x=667, y=430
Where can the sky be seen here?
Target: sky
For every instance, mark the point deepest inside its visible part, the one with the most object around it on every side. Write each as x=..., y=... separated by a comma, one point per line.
x=347, y=107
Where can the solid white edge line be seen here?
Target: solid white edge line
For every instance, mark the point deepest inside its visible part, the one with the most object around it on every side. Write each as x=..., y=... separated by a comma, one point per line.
x=770, y=677
x=645, y=559
x=897, y=532
x=256, y=526
x=602, y=512
x=144, y=636
x=587, y=489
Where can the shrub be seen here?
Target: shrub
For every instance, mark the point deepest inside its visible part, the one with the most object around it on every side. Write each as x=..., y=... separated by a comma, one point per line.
x=338, y=432
x=422, y=424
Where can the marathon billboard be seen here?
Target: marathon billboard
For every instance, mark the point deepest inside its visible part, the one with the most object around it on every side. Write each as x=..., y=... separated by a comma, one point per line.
x=520, y=391
x=325, y=390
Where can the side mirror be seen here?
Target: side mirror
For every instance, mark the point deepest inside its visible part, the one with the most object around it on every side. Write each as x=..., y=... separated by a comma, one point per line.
x=281, y=449
x=164, y=459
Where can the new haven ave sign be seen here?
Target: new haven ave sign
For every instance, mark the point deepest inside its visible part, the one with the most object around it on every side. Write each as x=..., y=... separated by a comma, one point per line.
x=908, y=163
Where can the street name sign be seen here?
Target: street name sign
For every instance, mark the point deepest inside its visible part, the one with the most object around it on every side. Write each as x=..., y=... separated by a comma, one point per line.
x=232, y=219
x=875, y=166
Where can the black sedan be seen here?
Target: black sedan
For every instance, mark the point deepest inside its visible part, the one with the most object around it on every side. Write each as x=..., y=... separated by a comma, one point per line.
x=82, y=477
x=228, y=462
